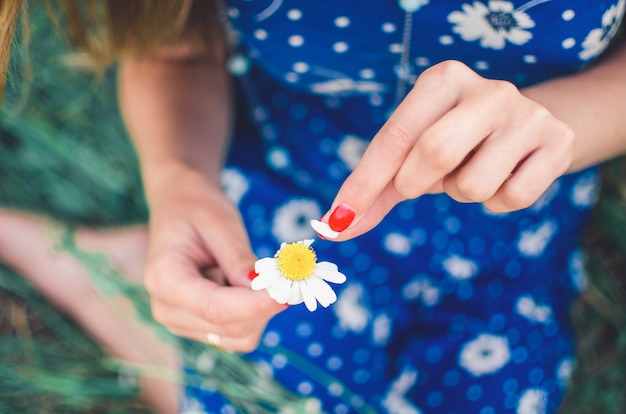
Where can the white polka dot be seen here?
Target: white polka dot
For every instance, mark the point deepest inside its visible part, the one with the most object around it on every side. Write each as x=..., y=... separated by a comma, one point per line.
x=568, y=15
x=340, y=47
x=260, y=34
x=238, y=65
x=568, y=43
x=342, y=21
x=278, y=158
x=395, y=48
x=233, y=12
x=388, y=27
x=446, y=40
x=367, y=74
x=296, y=40
x=422, y=61
x=291, y=77
x=335, y=389
x=376, y=100
x=305, y=388
x=271, y=339
x=315, y=349
x=304, y=329
x=260, y=113
x=294, y=14
x=341, y=409
x=397, y=243
x=301, y=67
x=279, y=361
x=481, y=65
x=228, y=409
x=334, y=363
x=530, y=58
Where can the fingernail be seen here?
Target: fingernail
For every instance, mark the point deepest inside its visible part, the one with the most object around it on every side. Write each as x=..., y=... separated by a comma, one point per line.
x=341, y=218
x=252, y=274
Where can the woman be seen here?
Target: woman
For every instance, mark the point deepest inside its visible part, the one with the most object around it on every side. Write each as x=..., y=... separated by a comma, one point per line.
x=478, y=120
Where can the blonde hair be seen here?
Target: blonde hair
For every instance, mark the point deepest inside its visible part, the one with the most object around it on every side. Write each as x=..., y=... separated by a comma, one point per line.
x=106, y=30
x=9, y=12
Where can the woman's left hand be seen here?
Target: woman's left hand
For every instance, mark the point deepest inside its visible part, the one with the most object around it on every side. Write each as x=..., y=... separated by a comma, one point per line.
x=476, y=139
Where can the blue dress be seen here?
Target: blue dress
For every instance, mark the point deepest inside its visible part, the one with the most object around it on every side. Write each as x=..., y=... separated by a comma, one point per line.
x=448, y=308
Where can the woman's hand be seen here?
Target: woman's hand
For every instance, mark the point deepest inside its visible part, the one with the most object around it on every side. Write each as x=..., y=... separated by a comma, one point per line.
x=198, y=265
x=478, y=140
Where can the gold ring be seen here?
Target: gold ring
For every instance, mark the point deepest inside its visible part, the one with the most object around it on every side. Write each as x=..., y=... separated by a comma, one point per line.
x=214, y=340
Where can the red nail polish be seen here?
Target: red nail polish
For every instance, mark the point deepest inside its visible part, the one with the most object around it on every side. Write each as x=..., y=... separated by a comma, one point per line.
x=252, y=274
x=341, y=218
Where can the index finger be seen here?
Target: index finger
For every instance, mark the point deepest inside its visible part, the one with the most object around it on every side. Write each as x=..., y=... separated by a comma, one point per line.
x=180, y=284
x=427, y=102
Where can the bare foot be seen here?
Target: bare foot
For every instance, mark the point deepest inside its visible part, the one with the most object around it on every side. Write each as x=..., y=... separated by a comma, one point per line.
x=27, y=247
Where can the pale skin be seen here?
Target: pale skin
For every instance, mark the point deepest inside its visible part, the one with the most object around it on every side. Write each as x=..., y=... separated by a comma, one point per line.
x=512, y=145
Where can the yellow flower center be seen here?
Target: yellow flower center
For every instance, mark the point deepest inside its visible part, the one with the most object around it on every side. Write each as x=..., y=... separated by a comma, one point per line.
x=296, y=261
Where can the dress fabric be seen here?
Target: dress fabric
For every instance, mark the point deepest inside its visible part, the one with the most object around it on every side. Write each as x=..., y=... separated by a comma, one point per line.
x=448, y=308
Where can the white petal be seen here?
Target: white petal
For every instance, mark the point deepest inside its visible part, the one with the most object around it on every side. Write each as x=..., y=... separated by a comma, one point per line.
x=265, y=279
x=502, y=6
x=328, y=271
x=327, y=266
x=307, y=242
x=265, y=264
x=296, y=295
x=322, y=292
x=280, y=290
x=324, y=229
x=307, y=295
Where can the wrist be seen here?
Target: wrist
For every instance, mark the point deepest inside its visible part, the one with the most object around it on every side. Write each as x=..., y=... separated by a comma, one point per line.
x=161, y=176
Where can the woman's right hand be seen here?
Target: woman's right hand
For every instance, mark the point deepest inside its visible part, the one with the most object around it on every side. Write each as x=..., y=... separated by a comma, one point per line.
x=198, y=264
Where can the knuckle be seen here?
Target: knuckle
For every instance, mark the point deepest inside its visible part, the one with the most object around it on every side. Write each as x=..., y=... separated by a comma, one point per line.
x=502, y=90
x=517, y=197
x=446, y=72
x=249, y=344
x=214, y=313
x=398, y=136
x=472, y=189
x=153, y=281
x=437, y=152
x=239, y=330
x=158, y=314
x=404, y=184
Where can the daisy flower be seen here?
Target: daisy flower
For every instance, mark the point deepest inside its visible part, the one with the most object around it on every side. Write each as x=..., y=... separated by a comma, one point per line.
x=294, y=276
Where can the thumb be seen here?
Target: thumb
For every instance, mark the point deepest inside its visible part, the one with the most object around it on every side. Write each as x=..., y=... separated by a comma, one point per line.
x=343, y=222
x=229, y=245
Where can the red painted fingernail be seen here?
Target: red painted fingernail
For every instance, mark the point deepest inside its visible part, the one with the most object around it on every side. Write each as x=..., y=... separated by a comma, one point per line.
x=252, y=274
x=341, y=218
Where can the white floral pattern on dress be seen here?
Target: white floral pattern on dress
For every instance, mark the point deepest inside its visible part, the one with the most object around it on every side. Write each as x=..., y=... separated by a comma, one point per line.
x=533, y=401
x=395, y=401
x=234, y=184
x=533, y=242
x=351, y=149
x=598, y=39
x=528, y=308
x=493, y=24
x=351, y=310
x=485, y=354
x=460, y=268
x=291, y=220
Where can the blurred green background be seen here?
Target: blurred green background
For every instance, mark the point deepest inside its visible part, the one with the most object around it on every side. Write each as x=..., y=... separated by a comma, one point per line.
x=64, y=153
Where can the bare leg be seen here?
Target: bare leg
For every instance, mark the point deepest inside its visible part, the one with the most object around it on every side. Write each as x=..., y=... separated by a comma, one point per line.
x=25, y=246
